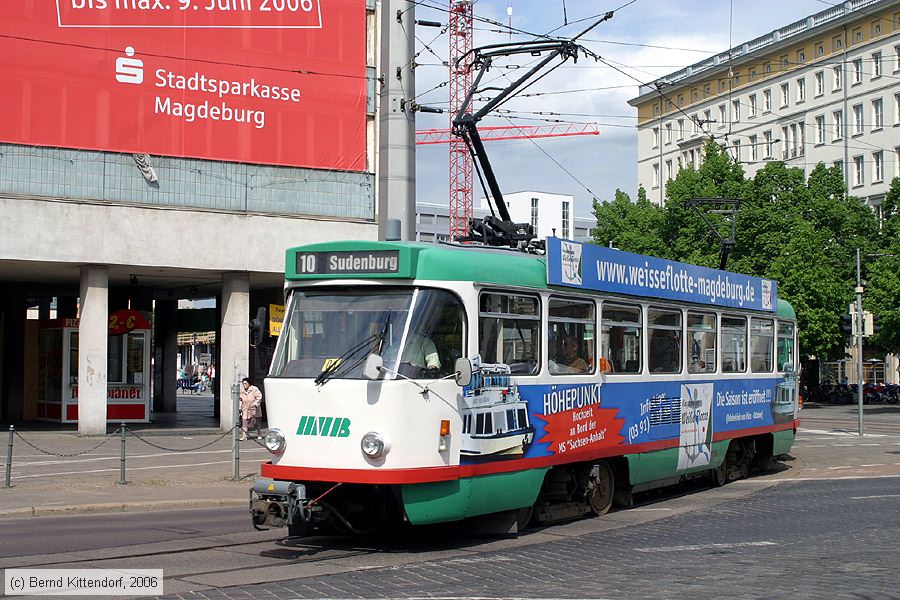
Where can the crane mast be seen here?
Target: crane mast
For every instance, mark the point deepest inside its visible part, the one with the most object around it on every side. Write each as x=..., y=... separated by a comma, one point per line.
x=460, y=30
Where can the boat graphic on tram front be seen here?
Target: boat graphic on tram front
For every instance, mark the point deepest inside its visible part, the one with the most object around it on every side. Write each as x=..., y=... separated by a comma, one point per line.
x=495, y=418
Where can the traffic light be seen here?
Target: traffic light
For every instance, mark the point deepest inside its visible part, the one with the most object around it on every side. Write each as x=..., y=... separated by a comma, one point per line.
x=258, y=326
x=848, y=324
x=876, y=326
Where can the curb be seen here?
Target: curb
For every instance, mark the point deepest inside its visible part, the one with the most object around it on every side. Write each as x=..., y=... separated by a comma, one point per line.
x=113, y=507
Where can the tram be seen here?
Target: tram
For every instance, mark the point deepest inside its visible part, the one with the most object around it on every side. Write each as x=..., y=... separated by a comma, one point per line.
x=427, y=383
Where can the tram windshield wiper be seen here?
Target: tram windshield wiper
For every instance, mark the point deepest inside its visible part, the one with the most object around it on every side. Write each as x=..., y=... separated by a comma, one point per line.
x=340, y=364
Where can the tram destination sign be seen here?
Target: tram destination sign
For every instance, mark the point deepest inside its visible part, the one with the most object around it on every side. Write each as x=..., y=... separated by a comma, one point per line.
x=590, y=267
x=361, y=262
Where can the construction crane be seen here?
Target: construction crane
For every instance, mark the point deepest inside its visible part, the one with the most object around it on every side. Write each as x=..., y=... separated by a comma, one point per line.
x=461, y=33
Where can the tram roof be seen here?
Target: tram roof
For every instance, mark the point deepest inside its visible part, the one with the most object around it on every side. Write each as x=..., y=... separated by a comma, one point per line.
x=446, y=262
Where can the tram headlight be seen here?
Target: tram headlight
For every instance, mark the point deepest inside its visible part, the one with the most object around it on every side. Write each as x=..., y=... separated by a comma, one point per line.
x=373, y=445
x=275, y=441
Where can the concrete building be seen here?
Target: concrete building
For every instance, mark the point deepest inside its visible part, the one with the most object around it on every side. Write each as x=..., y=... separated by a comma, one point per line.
x=95, y=231
x=545, y=211
x=823, y=89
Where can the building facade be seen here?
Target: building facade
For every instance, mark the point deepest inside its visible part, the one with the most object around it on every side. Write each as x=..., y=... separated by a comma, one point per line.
x=549, y=214
x=91, y=229
x=823, y=89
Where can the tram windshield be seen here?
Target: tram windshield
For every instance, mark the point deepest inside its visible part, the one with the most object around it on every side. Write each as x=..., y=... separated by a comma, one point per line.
x=419, y=332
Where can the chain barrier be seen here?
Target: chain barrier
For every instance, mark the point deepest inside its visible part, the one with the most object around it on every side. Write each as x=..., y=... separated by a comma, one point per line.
x=106, y=438
x=159, y=447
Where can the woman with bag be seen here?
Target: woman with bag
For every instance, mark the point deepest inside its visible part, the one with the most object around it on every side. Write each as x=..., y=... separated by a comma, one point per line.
x=251, y=411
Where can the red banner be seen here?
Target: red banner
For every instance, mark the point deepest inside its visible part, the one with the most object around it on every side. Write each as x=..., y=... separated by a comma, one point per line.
x=258, y=81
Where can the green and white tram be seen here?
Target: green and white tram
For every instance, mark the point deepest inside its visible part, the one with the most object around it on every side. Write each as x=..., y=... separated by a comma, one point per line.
x=428, y=383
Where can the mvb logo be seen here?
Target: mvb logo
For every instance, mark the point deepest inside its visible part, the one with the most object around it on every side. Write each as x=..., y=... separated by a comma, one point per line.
x=128, y=69
x=324, y=426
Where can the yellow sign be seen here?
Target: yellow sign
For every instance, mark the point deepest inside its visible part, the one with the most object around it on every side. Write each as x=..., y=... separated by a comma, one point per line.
x=276, y=318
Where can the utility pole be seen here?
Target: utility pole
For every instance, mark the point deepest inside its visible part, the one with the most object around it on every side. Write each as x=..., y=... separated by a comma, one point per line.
x=859, y=343
x=397, y=119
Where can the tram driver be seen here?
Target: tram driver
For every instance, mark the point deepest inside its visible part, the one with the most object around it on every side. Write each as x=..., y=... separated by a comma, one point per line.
x=568, y=360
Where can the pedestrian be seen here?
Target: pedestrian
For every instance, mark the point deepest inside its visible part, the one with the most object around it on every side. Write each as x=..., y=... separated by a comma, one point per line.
x=251, y=412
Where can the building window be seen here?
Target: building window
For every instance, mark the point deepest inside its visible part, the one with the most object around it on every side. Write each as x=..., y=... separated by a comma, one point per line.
x=752, y=110
x=801, y=138
x=655, y=175
x=735, y=111
x=837, y=118
x=857, y=71
x=857, y=119
x=858, y=173
x=754, y=148
x=839, y=165
x=820, y=129
x=877, y=113
x=669, y=173
x=897, y=58
x=820, y=83
x=801, y=90
x=785, y=95
x=876, y=65
x=878, y=166
x=680, y=129
x=838, y=78
x=668, y=133
x=876, y=28
x=857, y=35
x=737, y=150
x=722, y=119
x=897, y=161
x=795, y=141
x=785, y=142
x=897, y=109
x=695, y=125
x=656, y=137
x=767, y=137
x=767, y=100
x=837, y=42
x=565, y=220
x=707, y=117
x=820, y=49
x=534, y=214
x=801, y=57
x=656, y=110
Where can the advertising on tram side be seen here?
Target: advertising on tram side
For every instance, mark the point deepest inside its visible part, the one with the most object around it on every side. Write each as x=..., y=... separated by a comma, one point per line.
x=590, y=417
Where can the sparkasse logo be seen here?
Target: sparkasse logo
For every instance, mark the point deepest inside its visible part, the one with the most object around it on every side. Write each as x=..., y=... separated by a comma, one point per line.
x=324, y=426
x=129, y=69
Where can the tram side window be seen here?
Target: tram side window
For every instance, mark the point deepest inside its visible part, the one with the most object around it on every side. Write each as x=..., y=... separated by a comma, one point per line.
x=734, y=344
x=509, y=331
x=785, y=346
x=762, y=338
x=570, y=335
x=621, y=337
x=664, y=329
x=702, y=342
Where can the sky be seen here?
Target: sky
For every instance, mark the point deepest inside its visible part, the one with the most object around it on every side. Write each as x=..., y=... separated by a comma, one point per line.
x=645, y=40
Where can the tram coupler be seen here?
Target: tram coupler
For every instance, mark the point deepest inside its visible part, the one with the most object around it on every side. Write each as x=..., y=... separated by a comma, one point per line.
x=278, y=504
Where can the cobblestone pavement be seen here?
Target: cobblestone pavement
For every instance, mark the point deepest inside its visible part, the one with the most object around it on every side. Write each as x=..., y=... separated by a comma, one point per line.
x=807, y=539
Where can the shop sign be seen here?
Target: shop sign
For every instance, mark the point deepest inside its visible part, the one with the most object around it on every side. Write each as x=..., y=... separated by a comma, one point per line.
x=276, y=318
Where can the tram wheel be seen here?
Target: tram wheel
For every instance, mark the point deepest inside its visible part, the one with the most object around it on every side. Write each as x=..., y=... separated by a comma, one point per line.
x=604, y=488
x=719, y=475
x=524, y=516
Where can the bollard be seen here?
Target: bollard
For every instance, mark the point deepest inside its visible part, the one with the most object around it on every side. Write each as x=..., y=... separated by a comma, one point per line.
x=235, y=437
x=9, y=450
x=122, y=455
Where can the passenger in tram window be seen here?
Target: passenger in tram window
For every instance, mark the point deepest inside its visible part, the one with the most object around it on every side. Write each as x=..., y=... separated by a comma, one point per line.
x=570, y=356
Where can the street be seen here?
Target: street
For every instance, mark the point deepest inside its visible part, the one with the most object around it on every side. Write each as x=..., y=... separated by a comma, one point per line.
x=826, y=523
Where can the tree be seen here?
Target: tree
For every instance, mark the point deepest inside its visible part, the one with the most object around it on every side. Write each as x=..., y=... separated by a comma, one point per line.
x=882, y=295
x=627, y=225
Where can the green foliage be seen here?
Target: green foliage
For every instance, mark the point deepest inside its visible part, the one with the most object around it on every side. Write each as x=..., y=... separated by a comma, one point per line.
x=882, y=296
x=801, y=231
